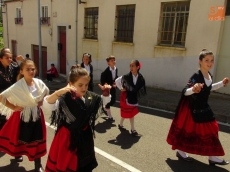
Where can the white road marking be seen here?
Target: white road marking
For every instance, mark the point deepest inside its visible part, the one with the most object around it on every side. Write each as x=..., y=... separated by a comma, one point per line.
x=118, y=161
x=108, y=156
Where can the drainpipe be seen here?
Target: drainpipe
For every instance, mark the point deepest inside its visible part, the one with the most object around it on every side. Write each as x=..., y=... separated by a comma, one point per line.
x=76, y=31
x=39, y=41
x=7, y=25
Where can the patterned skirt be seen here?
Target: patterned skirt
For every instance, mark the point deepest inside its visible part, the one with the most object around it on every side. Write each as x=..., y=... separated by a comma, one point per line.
x=192, y=137
x=127, y=111
x=71, y=161
x=19, y=138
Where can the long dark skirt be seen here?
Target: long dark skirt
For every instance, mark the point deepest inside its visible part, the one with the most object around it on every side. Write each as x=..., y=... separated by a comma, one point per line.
x=81, y=160
x=17, y=139
x=192, y=137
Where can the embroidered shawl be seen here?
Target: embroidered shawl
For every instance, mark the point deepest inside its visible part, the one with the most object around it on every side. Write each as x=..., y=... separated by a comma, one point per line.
x=76, y=114
x=19, y=94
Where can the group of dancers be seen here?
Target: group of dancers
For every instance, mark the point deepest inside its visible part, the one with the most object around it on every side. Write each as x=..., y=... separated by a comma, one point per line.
x=76, y=107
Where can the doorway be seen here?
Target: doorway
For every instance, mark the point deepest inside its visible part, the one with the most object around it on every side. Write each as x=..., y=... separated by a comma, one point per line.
x=62, y=48
x=35, y=52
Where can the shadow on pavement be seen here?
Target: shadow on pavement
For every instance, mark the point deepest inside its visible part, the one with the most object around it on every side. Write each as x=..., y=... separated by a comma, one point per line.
x=181, y=165
x=13, y=167
x=102, y=127
x=2, y=154
x=125, y=140
x=222, y=128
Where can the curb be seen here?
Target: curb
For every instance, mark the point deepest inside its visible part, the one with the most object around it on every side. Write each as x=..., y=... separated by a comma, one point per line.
x=167, y=100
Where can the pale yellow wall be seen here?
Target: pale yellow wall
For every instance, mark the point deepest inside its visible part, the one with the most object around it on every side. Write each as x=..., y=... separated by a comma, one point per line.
x=223, y=62
x=165, y=67
x=61, y=14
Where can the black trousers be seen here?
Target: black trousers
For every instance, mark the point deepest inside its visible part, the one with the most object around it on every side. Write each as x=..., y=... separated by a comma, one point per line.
x=113, y=98
x=50, y=76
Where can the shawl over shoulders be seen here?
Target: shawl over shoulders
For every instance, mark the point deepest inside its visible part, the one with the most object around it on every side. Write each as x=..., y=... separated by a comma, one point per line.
x=19, y=94
x=197, y=102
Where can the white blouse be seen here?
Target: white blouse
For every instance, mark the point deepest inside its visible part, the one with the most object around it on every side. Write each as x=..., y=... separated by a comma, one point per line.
x=208, y=82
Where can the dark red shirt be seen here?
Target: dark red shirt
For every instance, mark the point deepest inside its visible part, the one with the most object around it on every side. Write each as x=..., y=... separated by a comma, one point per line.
x=53, y=71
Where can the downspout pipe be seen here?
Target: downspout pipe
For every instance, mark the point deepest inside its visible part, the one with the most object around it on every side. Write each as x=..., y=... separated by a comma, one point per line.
x=7, y=24
x=77, y=32
x=39, y=41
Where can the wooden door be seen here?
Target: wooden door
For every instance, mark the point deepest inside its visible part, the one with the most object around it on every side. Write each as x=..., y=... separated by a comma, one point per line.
x=44, y=59
x=62, y=49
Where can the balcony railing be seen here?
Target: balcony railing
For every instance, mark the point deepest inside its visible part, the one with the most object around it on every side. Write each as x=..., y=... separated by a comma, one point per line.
x=18, y=20
x=45, y=20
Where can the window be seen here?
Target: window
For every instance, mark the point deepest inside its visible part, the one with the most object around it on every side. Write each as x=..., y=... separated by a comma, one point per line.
x=91, y=23
x=45, y=19
x=18, y=13
x=125, y=23
x=44, y=12
x=18, y=19
x=173, y=23
x=227, y=12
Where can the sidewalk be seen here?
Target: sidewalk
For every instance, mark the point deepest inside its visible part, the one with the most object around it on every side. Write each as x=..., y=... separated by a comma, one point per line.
x=167, y=100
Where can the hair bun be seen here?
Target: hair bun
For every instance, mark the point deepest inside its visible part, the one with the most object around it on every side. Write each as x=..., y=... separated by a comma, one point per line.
x=204, y=49
x=75, y=67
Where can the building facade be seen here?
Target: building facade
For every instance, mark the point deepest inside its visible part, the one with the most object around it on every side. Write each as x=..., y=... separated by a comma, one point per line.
x=165, y=36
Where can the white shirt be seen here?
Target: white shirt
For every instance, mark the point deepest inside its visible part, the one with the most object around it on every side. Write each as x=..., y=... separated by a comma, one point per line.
x=33, y=90
x=208, y=82
x=118, y=81
x=55, y=105
x=135, y=79
x=113, y=72
x=87, y=67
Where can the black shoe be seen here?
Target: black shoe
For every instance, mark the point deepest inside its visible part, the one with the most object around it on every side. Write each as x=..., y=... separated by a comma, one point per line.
x=18, y=158
x=38, y=165
x=134, y=133
x=111, y=119
x=181, y=157
x=40, y=169
x=121, y=128
x=218, y=163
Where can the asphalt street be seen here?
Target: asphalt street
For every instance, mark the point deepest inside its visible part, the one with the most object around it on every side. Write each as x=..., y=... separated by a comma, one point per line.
x=120, y=152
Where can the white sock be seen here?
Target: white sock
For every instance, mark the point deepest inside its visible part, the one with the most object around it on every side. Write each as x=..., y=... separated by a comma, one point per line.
x=109, y=113
x=215, y=159
x=132, y=123
x=182, y=153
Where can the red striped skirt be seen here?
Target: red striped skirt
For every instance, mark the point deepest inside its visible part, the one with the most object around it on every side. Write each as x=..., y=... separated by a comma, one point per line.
x=9, y=139
x=127, y=111
x=192, y=137
x=60, y=158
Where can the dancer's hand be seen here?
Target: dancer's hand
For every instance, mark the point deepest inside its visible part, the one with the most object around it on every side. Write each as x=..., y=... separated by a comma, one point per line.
x=40, y=103
x=105, y=86
x=17, y=108
x=20, y=58
x=105, y=89
x=114, y=85
x=197, y=87
x=66, y=89
x=225, y=81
